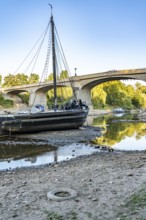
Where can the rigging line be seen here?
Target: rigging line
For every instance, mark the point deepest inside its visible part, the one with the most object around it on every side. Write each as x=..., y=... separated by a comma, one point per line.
x=61, y=51
x=30, y=51
x=65, y=62
x=37, y=55
x=48, y=49
x=47, y=58
x=46, y=67
x=38, y=51
x=58, y=57
x=45, y=62
x=59, y=68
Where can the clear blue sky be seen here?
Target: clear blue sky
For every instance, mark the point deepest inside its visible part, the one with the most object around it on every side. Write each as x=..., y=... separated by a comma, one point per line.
x=97, y=35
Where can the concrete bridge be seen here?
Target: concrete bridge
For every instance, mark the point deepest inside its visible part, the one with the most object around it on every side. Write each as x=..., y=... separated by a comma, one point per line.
x=82, y=84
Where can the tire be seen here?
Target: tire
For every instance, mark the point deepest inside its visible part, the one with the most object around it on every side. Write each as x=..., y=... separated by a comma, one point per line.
x=52, y=195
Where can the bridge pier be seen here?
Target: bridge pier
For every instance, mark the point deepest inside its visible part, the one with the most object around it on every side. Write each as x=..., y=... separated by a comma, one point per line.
x=38, y=98
x=85, y=95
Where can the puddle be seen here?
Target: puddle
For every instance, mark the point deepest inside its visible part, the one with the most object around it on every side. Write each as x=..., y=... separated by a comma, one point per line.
x=39, y=157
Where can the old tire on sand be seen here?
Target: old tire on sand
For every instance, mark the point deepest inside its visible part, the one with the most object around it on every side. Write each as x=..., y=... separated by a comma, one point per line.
x=61, y=194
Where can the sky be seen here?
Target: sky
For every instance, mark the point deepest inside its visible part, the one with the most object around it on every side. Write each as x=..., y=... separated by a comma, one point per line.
x=96, y=35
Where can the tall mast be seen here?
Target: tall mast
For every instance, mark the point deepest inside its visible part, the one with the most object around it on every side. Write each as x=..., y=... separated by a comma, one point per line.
x=53, y=59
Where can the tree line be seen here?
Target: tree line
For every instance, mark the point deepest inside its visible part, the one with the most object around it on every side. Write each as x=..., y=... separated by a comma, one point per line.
x=117, y=94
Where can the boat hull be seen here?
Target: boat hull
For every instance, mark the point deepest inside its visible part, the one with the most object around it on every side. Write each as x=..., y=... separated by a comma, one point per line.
x=45, y=122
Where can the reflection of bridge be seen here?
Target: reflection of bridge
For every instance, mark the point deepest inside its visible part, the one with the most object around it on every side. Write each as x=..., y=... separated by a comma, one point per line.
x=82, y=84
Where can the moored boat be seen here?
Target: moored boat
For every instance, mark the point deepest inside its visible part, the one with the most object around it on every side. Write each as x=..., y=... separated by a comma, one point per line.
x=71, y=116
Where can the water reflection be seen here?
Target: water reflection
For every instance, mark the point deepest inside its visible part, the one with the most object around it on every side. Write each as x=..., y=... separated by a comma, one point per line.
x=124, y=133
x=54, y=155
x=17, y=149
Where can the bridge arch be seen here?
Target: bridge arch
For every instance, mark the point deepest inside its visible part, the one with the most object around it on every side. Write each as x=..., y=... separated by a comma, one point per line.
x=13, y=94
x=39, y=95
x=90, y=85
x=85, y=91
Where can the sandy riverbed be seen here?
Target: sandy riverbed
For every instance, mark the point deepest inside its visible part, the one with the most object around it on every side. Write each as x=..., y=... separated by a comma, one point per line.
x=104, y=183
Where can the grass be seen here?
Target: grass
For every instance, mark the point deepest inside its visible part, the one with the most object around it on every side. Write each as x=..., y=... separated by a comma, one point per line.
x=56, y=216
x=133, y=206
x=137, y=201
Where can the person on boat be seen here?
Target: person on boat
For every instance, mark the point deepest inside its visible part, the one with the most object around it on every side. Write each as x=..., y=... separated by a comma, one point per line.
x=40, y=108
x=73, y=104
x=80, y=104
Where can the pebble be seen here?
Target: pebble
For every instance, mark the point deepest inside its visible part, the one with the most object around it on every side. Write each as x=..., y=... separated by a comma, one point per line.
x=94, y=199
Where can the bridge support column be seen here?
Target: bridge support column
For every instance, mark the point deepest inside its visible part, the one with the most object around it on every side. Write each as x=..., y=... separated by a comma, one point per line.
x=32, y=99
x=38, y=98
x=85, y=95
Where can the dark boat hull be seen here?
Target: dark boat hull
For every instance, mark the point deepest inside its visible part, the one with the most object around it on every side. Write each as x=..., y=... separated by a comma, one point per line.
x=46, y=121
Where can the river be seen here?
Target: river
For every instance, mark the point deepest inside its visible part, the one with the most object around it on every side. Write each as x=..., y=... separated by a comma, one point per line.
x=118, y=133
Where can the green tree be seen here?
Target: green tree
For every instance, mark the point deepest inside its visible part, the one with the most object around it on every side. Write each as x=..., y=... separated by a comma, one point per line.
x=34, y=78
x=15, y=80
x=50, y=77
x=98, y=96
x=24, y=97
x=6, y=103
x=64, y=75
x=0, y=79
x=9, y=81
x=21, y=79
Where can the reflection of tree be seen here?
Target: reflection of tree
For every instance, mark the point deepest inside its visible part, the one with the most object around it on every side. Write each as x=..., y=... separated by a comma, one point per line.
x=14, y=150
x=119, y=130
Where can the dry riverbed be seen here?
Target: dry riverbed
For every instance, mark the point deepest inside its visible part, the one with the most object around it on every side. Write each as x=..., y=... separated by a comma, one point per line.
x=109, y=185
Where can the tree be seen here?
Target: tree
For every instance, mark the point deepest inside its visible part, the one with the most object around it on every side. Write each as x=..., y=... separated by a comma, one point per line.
x=6, y=103
x=64, y=74
x=0, y=79
x=98, y=96
x=9, y=81
x=50, y=77
x=21, y=79
x=15, y=80
x=24, y=97
x=34, y=78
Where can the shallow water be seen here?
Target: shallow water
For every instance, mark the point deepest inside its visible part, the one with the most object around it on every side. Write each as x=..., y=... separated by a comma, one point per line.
x=122, y=133
x=60, y=154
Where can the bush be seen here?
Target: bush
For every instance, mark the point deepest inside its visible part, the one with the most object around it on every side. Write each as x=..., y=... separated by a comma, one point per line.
x=24, y=97
x=6, y=103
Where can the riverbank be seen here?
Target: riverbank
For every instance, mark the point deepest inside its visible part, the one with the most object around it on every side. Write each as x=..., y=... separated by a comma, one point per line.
x=109, y=185
x=104, y=183
x=91, y=112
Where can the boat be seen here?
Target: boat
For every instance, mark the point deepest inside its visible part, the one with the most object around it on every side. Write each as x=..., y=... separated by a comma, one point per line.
x=118, y=111
x=69, y=116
